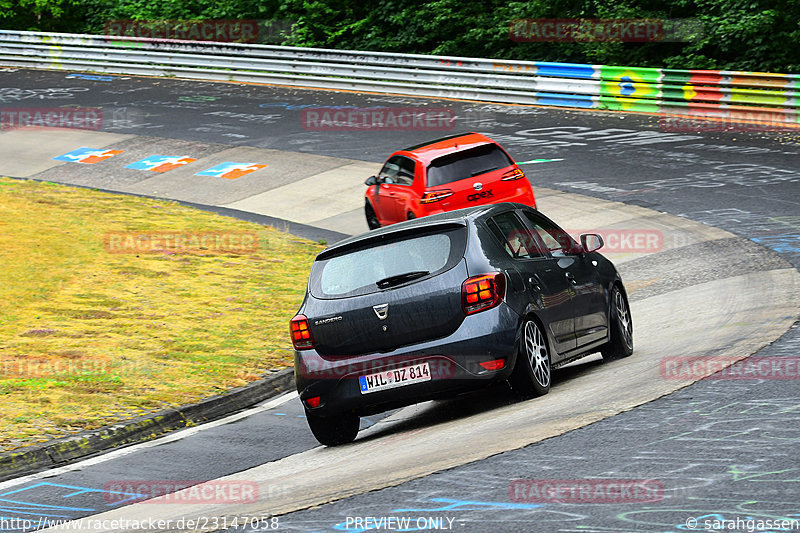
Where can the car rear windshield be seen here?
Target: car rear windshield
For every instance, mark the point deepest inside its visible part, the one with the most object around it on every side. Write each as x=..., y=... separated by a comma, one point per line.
x=381, y=266
x=472, y=162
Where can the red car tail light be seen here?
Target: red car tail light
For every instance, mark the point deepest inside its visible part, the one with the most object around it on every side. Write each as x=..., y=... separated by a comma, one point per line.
x=480, y=293
x=513, y=174
x=494, y=364
x=313, y=402
x=301, y=334
x=435, y=196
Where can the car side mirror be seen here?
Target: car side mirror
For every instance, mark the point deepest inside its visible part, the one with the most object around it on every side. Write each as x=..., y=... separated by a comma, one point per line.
x=591, y=242
x=372, y=180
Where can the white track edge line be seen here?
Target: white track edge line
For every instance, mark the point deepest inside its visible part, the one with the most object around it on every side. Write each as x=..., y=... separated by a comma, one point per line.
x=172, y=437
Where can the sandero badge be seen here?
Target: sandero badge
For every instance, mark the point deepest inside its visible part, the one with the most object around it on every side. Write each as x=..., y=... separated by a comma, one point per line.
x=449, y=303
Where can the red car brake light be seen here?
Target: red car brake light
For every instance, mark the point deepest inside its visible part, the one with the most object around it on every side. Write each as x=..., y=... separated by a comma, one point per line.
x=513, y=174
x=480, y=293
x=313, y=402
x=301, y=333
x=435, y=196
x=494, y=364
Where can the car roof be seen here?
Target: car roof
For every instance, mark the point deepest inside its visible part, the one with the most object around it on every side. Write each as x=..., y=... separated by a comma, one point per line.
x=448, y=219
x=428, y=151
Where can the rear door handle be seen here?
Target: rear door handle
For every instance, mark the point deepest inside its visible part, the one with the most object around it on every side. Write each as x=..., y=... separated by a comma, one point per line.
x=571, y=278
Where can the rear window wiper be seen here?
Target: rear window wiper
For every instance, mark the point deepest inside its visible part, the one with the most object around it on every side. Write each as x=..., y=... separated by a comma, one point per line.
x=400, y=278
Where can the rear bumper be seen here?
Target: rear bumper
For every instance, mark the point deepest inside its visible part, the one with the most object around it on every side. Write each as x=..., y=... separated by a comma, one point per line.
x=454, y=363
x=521, y=194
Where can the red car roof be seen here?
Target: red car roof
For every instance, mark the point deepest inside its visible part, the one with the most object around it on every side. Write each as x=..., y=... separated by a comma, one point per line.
x=429, y=151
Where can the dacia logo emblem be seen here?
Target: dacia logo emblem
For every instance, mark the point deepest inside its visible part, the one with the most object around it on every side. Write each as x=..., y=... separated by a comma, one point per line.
x=381, y=311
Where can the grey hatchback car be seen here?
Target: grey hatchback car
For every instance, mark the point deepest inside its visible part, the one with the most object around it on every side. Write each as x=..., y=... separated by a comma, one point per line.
x=447, y=303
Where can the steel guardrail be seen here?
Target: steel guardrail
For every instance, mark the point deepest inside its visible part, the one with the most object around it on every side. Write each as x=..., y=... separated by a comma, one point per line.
x=733, y=95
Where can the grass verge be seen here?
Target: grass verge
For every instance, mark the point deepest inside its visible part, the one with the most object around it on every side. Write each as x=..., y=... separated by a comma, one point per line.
x=93, y=331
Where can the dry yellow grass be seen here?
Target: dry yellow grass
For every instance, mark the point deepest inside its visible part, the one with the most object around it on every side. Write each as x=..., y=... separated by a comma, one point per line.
x=88, y=337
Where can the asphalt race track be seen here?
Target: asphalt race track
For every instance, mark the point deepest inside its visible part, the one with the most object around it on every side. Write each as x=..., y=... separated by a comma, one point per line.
x=721, y=279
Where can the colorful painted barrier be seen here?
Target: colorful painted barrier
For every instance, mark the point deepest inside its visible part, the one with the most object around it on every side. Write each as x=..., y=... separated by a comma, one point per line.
x=723, y=94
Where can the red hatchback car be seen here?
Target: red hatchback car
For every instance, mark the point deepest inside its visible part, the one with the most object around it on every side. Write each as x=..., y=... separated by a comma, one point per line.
x=442, y=175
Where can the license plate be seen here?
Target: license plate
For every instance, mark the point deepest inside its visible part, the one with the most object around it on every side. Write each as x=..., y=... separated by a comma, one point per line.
x=389, y=379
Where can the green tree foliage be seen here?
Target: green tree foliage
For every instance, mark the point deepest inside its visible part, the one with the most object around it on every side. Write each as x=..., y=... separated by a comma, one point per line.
x=39, y=15
x=736, y=34
x=762, y=35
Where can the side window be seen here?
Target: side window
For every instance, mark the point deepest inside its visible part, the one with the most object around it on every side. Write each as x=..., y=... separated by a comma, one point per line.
x=398, y=170
x=518, y=241
x=556, y=240
x=406, y=174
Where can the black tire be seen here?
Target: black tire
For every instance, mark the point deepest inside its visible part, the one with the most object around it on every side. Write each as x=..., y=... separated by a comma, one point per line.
x=621, y=326
x=372, y=219
x=532, y=372
x=411, y=216
x=334, y=430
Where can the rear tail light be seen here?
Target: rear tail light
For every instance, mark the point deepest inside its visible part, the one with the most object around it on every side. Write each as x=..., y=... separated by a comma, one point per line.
x=479, y=293
x=301, y=334
x=513, y=174
x=494, y=364
x=313, y=402
x=435, y=196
